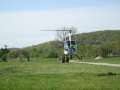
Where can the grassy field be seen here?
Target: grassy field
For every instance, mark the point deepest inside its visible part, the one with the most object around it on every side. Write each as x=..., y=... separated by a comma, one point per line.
x=50, y=74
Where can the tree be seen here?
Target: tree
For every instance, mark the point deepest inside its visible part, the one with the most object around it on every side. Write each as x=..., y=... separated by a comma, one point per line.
x=4, y=53
x=61, y=35
x=25, y=54
x=22, y=53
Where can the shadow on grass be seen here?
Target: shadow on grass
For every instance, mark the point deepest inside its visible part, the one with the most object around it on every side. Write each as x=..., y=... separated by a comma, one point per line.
x=107, y=74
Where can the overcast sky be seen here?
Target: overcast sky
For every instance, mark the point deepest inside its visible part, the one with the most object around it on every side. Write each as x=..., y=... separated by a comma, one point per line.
x=22, y=20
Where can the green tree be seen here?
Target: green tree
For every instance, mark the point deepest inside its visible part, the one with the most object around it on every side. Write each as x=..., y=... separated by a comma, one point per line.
x=4, y=53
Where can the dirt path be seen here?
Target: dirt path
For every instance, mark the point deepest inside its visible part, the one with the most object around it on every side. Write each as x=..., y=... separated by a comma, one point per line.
x=103, y=64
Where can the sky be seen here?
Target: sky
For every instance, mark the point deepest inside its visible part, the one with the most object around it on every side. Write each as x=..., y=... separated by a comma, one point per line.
x=22, y=20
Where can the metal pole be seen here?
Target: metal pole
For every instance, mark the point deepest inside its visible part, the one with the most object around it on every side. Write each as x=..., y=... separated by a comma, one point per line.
x=70, y=39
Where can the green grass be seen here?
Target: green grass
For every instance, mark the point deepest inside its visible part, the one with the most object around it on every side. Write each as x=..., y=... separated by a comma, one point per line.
x=50, y=74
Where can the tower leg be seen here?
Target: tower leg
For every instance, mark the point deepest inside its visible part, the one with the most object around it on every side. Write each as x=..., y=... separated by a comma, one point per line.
x=65, y=59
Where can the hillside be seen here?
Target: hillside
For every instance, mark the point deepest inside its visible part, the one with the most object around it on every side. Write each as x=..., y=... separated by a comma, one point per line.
x=101, y=43
x=89, y=45
x=99, y=37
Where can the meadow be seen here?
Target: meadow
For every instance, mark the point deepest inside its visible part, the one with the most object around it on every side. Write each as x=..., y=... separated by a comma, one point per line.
x=51, y=74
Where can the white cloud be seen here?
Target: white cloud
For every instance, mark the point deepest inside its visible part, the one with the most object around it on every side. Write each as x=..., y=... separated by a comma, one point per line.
x=22, y=28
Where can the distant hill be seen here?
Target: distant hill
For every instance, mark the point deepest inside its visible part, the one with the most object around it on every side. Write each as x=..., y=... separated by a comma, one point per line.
x=104, y=43
x=99, y=37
